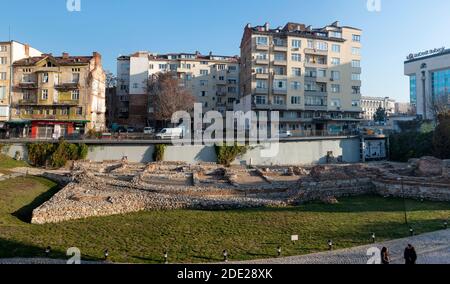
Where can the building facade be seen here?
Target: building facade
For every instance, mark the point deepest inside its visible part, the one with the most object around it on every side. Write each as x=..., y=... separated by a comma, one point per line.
x=58, y=96
x=404, y=109
x=370, y=106
x=429, y=77
x=10, y=51
x=213, y=80
x=311, y=76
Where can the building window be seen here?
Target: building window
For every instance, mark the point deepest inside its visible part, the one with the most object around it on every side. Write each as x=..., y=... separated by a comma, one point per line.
x=296, y=72
x=440, y=86
x=320, y=45
x=3, y=111
x=203, y=82
x=262, y=40
x=356, y=63
x=162, y=66
x=280, y=84
x=321, y=73
x=26, y=95
x=296, y=43
x=44, y=95
x=356, y=76
x=336, y=103
x=204, y=93
x=232, y=68
x=413, y=90
x=27, y=78
x=45, y=78
x=260, y=70
x=2, y=92
x=3, y=61
x=75, y=77
x=135, y=85
x=75, y=95
x=336, y=48
x=335, y=75
x=204, y=72
x=356, y=38
x=279, y=57
x=261, y=56
x=310, y=87
x=261, y=84
x=278, y=100
x=260, y=100
x=203, y=62
x=3, y=76
x=335, y=88
x=65, y=111
x=355, y=103
x=295, y=100
x=356, y=51
x=296, y=57
x=335, y=61
x=3, y=48
x=295, y=85
x=356, y=90
x=335, y=34
x=79, y=111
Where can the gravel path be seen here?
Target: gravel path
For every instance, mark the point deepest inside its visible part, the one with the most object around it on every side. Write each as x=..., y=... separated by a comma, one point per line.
x=432, y=248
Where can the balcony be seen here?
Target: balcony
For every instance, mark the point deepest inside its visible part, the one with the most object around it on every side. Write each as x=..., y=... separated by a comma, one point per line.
x=67, y=86
x=280, y=91
x=261, y=91
x=279, y=62
x=262, y=47
x=66, y=103
x=314, y=51
x=262, y=61
x=316, y=93
x=316, y=107
x=280, y=48
x=280, y=77
x=262, y=76
x=357, y=70
x=221, y=93
x=27, y=85
x=27, y=102
x=322, y=79
x=316, y=64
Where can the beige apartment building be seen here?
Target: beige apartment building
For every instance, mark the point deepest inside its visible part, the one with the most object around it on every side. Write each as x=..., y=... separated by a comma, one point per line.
x=212, y=79
x=10, y=51
x=311, y=76
x=58, y=96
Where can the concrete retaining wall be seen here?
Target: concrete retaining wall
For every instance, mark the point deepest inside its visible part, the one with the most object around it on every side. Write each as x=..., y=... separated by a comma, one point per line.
x=289, y=152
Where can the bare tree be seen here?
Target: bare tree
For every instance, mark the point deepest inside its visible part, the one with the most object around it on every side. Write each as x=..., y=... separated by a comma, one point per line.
x=439, y=106
x=167, y=95
x=111, y=80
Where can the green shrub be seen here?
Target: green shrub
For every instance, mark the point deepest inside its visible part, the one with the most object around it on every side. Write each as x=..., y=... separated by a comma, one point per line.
x=227, y=154
x=55, y=155
x=441, y=138
x=158, y=154
x=411, y=144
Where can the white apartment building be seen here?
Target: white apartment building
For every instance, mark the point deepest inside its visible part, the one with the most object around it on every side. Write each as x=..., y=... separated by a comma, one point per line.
x=311, y=76
x=212, y=79
x=370, y=106
x=10, y=51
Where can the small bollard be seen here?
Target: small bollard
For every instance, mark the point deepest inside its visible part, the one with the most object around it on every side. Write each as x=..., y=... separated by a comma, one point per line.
x=166, y=257
x=47, y=251
x=106, y=254
x=330, y=245
x=411, y=231
x=445, y=225
x=373, y=238
x=225, y=256
x=279, y=251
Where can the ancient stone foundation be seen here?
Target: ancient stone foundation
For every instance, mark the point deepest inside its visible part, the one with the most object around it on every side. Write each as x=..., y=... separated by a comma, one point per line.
x=119, y=187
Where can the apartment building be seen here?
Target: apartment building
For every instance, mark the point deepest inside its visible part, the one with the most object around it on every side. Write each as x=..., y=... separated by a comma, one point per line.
x=57, y=96
x=311, y=76
x=10, y=51
x=212, y=79
x=370, y=106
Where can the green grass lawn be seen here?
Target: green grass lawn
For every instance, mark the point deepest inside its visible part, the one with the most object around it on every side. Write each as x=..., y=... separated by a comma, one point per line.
x=6, y=163
x=200, y=236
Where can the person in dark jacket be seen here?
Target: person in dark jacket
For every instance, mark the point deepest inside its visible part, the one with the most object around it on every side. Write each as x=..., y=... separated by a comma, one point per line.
x=385, y=259
x=410, y=255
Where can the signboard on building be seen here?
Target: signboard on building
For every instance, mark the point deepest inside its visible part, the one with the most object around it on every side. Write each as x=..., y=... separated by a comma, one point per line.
x=425, y=53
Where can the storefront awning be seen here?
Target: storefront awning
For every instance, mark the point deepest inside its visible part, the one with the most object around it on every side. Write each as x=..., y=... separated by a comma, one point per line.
x=18, y=122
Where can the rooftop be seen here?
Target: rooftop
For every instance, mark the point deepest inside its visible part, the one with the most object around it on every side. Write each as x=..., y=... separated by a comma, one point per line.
x=65, y=59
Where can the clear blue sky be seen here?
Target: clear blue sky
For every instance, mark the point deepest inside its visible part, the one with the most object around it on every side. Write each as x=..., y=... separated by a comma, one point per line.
x=115, y=27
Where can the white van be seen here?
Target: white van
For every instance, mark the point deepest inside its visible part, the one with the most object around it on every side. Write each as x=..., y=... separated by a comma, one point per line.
x=170, y=133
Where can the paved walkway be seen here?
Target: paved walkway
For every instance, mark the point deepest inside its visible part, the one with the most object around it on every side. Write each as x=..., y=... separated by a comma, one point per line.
x=432, y=248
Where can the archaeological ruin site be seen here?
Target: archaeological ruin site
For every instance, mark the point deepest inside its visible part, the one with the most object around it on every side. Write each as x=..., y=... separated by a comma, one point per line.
x=117, y=187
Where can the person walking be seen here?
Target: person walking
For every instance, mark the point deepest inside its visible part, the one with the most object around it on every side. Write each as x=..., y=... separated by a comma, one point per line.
x=385, y=259
x=410, y=255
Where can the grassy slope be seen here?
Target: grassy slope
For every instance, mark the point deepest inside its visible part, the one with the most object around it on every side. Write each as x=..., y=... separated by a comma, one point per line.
x=200, y=236
x=7, y=163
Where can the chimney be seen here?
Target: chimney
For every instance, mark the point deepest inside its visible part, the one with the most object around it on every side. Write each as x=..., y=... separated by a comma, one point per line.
x=248, y=26
x=97, y=57
x=65, y=55
x=266, y=26
x=27, y=50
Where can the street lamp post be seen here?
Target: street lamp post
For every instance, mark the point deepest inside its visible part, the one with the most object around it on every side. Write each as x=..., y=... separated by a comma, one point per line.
x=404, y=200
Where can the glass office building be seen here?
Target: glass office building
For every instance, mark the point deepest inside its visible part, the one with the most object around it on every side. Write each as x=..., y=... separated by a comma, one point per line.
x=413, y=90
x=440, y=85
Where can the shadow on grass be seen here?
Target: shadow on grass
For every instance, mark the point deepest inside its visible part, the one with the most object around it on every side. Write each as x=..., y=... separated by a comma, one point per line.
x=12, y=249
x=25, y=213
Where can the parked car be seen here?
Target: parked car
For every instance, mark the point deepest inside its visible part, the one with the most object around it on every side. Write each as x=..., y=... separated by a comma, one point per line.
x=149, y=130
x=170, y=133
x=131, y=129
x=284, y=134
